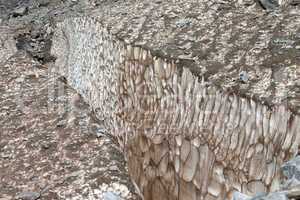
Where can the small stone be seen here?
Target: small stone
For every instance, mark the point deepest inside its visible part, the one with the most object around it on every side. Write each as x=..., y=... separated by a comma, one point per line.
x=295, y=2
x=240, y=196
x=111, y=196
x=288, y=171
x=49, y=30
x=272, y=196
x=6, y=156
x=20, y=80
x=183, y=23
x=97, y=192
x=259, y=196
x=19, y=11
x=44, y=2
x=104, y=187
x=124, y=190
x=291, y=170
x=28, y=196
x=263, y=196
x=76, y=173
x=100, y=132
x=113, y=168
x=45, y=145
x=269, y=4
x=243, y=76
x=5, y=197
x=61, y=123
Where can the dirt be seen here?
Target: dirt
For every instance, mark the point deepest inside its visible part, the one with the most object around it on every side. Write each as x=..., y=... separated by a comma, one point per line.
x=50, y=142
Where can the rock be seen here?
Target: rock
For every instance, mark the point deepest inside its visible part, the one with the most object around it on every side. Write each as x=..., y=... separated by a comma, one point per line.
x=244, y=77
x=240, y=196
x=295, y=2
x=5, y=156
x=5, y=197
x=20, y=11
x=45, y=145
x=182, y=23
x=100, y=132
x=291, y=170
x=28, y=196
x=76, y=174
x=269, y=4
x=61, y=123
x=124, y=192
x=20, y=80
x=114, y=168
x=44, y=3
x=111, y=196
x=272, y=196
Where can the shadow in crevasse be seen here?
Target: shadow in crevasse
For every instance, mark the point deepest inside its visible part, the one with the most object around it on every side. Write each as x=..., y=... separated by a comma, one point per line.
x=37, y=43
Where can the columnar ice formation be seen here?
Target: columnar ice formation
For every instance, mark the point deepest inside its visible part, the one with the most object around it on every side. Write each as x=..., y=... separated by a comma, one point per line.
x=89, y=57
x=183, y=137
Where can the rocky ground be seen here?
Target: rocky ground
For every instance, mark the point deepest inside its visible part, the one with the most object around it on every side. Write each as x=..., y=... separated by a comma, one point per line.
x=51, y=145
